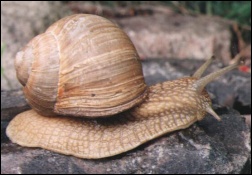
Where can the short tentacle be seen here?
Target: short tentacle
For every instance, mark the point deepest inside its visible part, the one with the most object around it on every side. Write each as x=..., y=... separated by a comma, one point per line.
x=202, y=82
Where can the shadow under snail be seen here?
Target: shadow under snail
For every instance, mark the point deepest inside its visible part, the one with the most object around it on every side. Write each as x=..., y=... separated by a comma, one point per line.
x=84, y=65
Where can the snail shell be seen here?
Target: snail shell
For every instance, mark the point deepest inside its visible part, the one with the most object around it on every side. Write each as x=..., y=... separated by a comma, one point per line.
x=83, y=65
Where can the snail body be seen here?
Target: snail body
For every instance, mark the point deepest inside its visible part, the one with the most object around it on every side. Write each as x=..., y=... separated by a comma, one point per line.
x=155, y=110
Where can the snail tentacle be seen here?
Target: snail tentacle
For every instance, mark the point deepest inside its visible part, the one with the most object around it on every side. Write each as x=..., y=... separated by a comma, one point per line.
x=202, y=82
x=203, y=67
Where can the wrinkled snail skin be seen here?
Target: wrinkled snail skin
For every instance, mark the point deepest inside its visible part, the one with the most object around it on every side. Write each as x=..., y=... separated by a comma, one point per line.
x=158, y=114
x=166, y=107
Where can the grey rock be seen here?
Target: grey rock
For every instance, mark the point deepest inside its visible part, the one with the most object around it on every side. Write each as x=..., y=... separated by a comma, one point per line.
x=178, y=36
x=20, y=22
x=12, y=103
x=207, y=146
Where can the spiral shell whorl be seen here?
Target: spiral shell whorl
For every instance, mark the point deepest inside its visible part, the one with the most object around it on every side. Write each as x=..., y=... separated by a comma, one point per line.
x=37, y=67
x=23, y=64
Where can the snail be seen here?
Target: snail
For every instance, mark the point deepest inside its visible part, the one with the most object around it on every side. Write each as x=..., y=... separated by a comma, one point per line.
x=83, y=79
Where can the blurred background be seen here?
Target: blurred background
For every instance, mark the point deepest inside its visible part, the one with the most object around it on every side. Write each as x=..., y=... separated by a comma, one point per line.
x=159, y=30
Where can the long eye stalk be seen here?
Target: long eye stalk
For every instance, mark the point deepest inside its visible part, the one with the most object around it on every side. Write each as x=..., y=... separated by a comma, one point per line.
x=202, y=82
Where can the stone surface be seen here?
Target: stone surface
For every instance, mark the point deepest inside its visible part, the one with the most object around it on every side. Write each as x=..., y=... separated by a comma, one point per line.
x=176, y=36
x=12, y=103
x=20, y=22
x=207, y=146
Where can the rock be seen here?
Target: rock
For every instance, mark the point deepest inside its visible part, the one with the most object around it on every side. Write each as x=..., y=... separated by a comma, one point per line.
x=176, y=36
x=12, y=103
x=20, y=22
x=207, y=146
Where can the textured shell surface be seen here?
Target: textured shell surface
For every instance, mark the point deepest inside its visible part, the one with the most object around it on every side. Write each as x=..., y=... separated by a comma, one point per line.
x=83, y=65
